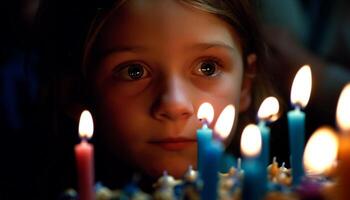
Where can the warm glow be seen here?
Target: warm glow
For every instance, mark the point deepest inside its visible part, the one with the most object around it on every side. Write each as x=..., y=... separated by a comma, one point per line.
x=206, y=111
x=251, y=141
x=225, y=121
x=269, y=109
x=320, y=151
x=301, y=88
x=86, y=125
x=343, y=109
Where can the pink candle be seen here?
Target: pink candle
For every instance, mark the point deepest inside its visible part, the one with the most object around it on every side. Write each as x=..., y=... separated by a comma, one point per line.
x=84, y=153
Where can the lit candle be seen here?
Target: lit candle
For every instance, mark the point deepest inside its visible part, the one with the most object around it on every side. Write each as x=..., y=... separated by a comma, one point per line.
x=205, y=134
x=300, y=95
x=320, y=152
x=343, y=122
x=319, y=157
x=267, y=112
x=84, y=153
x=253, y=182
x=214, y=151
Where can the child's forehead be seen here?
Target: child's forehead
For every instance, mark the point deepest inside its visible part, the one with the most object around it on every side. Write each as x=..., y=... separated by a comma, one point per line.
x=165, y=19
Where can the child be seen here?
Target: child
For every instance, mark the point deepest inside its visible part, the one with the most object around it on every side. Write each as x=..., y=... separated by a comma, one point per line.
x=149, y=65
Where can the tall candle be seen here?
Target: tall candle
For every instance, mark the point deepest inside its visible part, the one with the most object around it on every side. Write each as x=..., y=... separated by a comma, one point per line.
x=296, y=125
x=214, y=152
x=343, y=122
x=267, y=112
x=204, y=138
x=253, y=181
x=84, y=153
x=210, y=175
x=265, y=148
x=300, y=95
x=205, y=134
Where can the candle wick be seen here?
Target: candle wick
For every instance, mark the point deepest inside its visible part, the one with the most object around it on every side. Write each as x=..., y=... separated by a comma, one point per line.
x=165, y=173
x=239, y=164
x=298, y=106
x=205, y=122
x=274, y=159
x=205, y=126
x=262, y=122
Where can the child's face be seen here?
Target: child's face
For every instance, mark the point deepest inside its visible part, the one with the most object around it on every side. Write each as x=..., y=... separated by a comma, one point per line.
x=160, y=60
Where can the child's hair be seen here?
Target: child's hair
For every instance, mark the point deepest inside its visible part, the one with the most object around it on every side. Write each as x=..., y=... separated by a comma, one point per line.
x=239, y=14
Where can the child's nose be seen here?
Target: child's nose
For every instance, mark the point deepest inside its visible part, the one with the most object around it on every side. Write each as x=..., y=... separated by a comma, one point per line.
x=174, y=101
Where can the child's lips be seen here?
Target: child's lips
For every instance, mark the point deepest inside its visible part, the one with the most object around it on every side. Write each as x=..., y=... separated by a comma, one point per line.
x=174, y=144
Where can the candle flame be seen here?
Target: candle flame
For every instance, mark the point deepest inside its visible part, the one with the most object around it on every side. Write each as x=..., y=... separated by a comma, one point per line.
x=301, y=87
x=320, y=151
x=206, y=111
x=251, y=141
x=343, y=109
x=86, y=125
x=269, y=109
x=225, y=121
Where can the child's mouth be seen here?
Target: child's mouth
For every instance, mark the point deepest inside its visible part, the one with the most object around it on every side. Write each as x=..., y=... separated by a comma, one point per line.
x=174, y=144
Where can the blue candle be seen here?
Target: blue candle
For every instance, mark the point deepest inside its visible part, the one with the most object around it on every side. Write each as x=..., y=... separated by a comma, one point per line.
x=300, y=94
x=213, y=153
x=204, y=137
x=296, y=125
x=268, y=112
x=205, y=134
x=265, y=147
x=254, y=184
x=210, y=175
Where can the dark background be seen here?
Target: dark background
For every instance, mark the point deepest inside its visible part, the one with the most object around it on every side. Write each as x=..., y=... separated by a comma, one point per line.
x=40, y=51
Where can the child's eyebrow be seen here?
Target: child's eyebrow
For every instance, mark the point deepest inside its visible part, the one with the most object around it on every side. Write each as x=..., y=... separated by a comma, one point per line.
x=119, y=49
x=205, y=46
x=197, y=46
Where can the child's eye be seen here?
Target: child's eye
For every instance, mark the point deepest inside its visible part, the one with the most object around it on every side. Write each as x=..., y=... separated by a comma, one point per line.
x=207, y=68
x=131, y=72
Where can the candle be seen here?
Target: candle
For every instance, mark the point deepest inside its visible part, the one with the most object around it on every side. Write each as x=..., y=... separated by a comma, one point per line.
x=210, y=177
x=321, y=151
x=214, y=151
x=319, y=157
x=205, y=134
x=84, y=153
x=253, y=181
x=300, y=95
x=267, y=113
x=343, y=122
